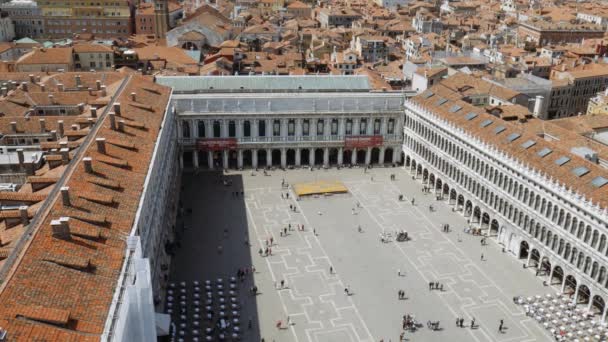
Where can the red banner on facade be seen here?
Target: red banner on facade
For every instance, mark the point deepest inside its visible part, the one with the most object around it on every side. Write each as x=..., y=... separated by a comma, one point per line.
x=216, y=144
x=363, y=141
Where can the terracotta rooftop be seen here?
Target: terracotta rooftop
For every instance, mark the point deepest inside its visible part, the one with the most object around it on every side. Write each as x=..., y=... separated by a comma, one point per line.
x=60, y=289
x=522, y=142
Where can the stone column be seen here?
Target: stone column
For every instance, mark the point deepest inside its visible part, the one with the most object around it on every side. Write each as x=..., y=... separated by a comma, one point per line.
x=326, y=156
x=195, y=159
x=355, y=126
x=239, y=159
x=370, y=126
x=239, y=129
x=283, y=131
x=254, y=158
x=298, y=157
x=269, y=129
x=209, y=128
x=381, y=155
x=353, y=156
x=298, y=129
x=578, y=284
x=224, y=128
x=268, y=157
x=529, y=250
x=311, y=156
x=604, y=314
x=312, y=127
x=283, y=157
x=396, y=154
x=254, y=128
x=368, y=156
x=327, y=127
x=383, y=125
x=340, y=155
x=225, y=159
x=210, y=160
x=341, y=127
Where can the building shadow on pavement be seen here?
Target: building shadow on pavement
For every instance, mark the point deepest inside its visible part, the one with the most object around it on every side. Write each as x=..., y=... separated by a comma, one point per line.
x=212, y=243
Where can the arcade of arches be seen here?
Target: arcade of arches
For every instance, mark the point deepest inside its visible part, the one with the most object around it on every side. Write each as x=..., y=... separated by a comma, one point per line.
x=285, y=157
x=534, y=244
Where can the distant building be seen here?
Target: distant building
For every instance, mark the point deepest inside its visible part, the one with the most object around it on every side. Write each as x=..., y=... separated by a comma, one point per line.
x=104, y=18
x=371, y=48
x=43, y=59
x=26, y=17
x=392, y=4
x=7, y=28
x=597, y=16
x=337, y=17
x=424, y=78
x=598, y=105
x=93, y=57
x=544, y=33
x=299, y=9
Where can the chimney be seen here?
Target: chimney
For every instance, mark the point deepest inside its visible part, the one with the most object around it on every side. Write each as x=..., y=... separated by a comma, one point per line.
x=117, y=108
x=13, y=127
x=61, y=228
x=51, y=99
x=65, y=156
x=38, y=79
x=78, y=81
x=42, y=125
x=24, y=86
x=134, y=97
x=112, y=120
x=121, y=125
x=81, y=107
x=42, y=88
x=25, y=220
x=104, y=91
x=62, y=144
x=65, y=196
x=101, y=145
x=88, y=164
x=60, y=87
x=4, y=91
x=538, y=105
x=90, y=91
x=75, y=127
x=32, y=78
x=93, y=112
x=60, y=128
x=80, y=87
x=98, y=85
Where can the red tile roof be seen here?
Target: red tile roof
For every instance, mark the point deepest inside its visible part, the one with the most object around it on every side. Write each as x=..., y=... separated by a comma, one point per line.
x=60, y=289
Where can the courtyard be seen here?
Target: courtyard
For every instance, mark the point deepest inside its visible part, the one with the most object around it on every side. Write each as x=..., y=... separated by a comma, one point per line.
x=223, y=232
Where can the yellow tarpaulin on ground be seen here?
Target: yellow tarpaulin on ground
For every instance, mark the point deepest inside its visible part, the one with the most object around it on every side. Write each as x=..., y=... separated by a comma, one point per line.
x=319, y=188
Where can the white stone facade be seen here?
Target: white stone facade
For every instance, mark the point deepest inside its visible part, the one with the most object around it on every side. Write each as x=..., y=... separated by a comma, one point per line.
x=286, y=130
x=560, y=233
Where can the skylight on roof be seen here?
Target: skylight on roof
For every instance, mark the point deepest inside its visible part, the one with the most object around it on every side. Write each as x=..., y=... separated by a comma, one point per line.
x=544, y=152
x=561, y=161
x=428, y=94
x=599, y=181
x=441, y=101
x=513, y=136
x=499, y=129
x=528, y=144
x=580, y=171
x=486, y=123
x=470, y=116
x=455, y=108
